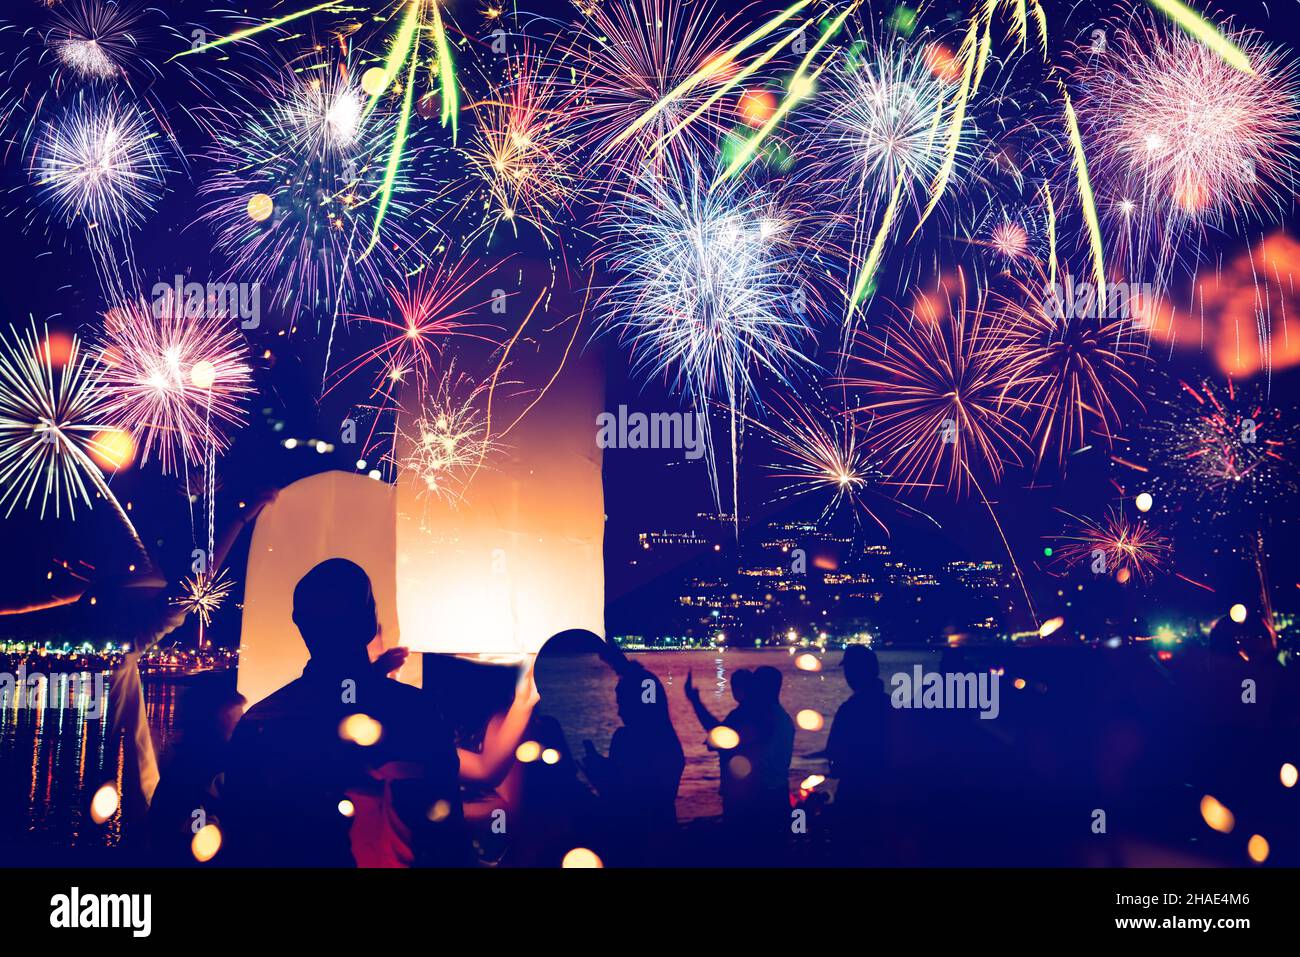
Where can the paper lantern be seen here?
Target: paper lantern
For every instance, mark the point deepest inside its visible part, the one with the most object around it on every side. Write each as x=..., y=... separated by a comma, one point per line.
x=329, y=515
x=519, y=556
x=493, y=574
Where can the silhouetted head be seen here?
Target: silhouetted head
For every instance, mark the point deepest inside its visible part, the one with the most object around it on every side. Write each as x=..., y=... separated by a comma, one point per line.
x=641, y=698
x=740, y=679
x=1249, y=639
x=334, y=609
x=571, y=662
x=765, y=686
x=861, y=666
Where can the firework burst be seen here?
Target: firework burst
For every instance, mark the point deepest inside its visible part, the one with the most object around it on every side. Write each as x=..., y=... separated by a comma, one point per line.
x=1068, y=360
x=821, y=453
x=709, y=294
x=292, y=193
x=100, y=163
x=429, y=312
x=520, y=155
x=203, y=594
x=1181, y=139
x=52, y=420
x=176, y=375
x=941, y=397
x=1225, y=447
x=448, y=440
x=627, y=57
x=94, y=40
x=879, y=121
x=1114, y=545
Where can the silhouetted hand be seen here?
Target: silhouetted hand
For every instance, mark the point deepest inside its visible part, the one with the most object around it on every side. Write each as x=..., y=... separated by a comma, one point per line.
x=593, y=756
x=692, y=693
x=392, y=659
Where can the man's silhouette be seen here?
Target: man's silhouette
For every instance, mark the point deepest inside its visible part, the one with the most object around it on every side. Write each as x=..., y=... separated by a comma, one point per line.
x=739, y=683
x=856, y=749
x=343, y=766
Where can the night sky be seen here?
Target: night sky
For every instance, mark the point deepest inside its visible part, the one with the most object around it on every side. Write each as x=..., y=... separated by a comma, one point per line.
x=48, y=274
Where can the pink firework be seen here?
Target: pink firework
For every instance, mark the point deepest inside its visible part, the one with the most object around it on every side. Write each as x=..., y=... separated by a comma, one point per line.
x=1114, y=545
x=176, y=373
x=1176, y=134
x=426, y=313
x=941, y=397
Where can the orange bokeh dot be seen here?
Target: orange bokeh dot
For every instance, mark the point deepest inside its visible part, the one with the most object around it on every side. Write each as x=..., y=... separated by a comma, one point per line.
x=58, y=348
x=756, y=107
x=112, y=448
x=940, y=61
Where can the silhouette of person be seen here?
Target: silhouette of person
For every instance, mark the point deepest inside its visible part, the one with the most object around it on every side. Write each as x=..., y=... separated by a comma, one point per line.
x=755, y=773
x=344, y=766
x=740, y=680
x=588, y=686
x=557, y=811
x=193, y=774
x=856, y=748
x=767, y=747
x=638, y=781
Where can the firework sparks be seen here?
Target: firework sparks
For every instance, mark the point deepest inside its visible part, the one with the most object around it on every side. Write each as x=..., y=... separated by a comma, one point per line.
x=1114, y=545
x=822, y=453
x=708, y=293
x=176, y=374
x=291, y=193
x=877, y=142
x=1068, y=360
x=1223, y=446
x=449, y=440
x=51, y=423
x=429, y=312
x=1182, y=137
x=100, y=163
x=941, y=396
x=521, y=154
x=203, y=594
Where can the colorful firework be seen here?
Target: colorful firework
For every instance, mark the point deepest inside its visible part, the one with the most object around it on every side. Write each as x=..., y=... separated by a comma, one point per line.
x=1114, y=545
x=53, y=419
x=1068, y=359
x=943, y=405
x=448, y=441
x=202, y=594
x=877, y=142
x=291, y=194
x=1223, y=446
x=1183, y=139
x=627, y=57
x=708, y=292
x=176, y=374
x=429, y=312
x=100, y=163
x=822, y=453
x=520, y=154
x=94, y=40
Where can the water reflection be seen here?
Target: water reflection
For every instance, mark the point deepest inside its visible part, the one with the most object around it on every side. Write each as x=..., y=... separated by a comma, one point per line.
x=53, y=759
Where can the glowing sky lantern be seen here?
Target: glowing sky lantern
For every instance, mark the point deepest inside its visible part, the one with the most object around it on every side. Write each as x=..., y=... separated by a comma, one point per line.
x=329, y=515
x=515, y=555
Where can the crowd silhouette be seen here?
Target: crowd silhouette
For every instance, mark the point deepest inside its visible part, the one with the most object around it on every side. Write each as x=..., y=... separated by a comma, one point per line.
x=347, y=766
